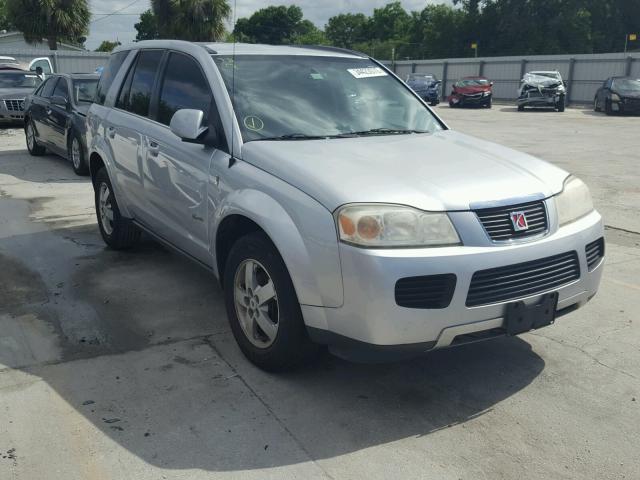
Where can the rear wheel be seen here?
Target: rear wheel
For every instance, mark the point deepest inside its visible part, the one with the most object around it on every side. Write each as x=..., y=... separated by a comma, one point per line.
x=117, y=232
x=76, y=155
x=262, y=306
x=32, y=142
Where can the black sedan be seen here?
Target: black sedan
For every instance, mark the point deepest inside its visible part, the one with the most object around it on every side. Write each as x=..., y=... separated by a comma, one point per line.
x=54, y=117
x=618, y=95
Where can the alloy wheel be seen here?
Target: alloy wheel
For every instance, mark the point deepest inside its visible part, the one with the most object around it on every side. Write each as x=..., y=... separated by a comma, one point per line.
x=75, y=153
x=256, y=303
x=106, y=208
x=31, y=141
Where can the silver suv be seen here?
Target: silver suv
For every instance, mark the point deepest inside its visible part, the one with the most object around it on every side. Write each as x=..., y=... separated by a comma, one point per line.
x=332, y=204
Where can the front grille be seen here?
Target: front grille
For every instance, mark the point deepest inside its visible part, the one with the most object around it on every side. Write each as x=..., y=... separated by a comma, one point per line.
x=497, y=221
x=14, y=105
x=431, y=291
x=595, y=252
x=522, y=279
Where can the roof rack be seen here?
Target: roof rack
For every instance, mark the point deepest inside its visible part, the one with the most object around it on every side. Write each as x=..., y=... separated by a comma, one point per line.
x=331, y=49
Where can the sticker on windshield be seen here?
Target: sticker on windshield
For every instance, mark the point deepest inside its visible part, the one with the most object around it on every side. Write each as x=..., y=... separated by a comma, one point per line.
x=367, y=72
x=253, y=123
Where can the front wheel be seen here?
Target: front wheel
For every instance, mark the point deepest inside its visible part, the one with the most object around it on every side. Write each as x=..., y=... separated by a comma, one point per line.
x=32, y=142
x=76, y=155
x=488, y=104
x=262, y=306
x=117, y=232
x=521, y=108
x=560, y=105
x=596, y=106
x=607, y=107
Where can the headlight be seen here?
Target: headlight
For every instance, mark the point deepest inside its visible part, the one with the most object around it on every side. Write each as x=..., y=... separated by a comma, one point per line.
x=615, y=97
x=378, y=225
x=486, y=94
x=574, y=201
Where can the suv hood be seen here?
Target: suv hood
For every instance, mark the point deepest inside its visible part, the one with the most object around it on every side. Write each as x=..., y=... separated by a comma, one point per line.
x=443, y=171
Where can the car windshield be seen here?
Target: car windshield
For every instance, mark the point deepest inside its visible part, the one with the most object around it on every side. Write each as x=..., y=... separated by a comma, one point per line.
x=305, y=97
x=627, y=84
x=421, y=79
x=84, y=90
x=19, y=80
x=472, y=82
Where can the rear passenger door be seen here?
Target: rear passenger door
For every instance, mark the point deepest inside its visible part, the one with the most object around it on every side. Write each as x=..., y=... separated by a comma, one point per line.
x=128, y=123
x=176, y=173
x=59, y=116
x=39, y=108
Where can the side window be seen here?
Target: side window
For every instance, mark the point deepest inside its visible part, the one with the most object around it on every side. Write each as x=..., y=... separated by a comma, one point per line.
x=123, y=98
x=48, y=87
x=135, y=96
x=61, y=89
x=108, y=75
x=42, y=63
x=183, y=86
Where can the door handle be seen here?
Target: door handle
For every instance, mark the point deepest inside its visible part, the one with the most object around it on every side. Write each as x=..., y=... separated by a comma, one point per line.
x=48, y=111
x=111, y=132
x=154, y=148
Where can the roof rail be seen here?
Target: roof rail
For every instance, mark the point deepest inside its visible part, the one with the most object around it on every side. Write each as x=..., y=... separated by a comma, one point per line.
x=331, y=49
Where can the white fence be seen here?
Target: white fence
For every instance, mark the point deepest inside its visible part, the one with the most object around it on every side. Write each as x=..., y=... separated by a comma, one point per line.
x=584, y=74
x=63, y=61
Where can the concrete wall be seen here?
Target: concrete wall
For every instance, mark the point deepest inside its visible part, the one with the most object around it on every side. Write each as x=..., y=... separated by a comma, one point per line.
x=584, y=73
x=64, y=61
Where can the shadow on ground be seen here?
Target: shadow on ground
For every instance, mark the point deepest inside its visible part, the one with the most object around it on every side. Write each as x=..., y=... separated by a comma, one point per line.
x=139, y=345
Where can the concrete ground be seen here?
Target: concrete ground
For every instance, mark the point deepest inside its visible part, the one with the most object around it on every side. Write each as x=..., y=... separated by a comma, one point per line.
x=122, y=366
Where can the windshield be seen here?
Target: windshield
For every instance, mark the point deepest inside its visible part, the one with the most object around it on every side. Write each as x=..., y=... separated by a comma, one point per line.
x=84, y=91
x=316, y=96
x=421, y=79
x=19, y=80
x=553, y=75
x=472, y=82
x=626, y=84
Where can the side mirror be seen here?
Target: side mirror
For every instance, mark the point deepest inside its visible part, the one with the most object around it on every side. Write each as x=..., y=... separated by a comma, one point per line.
x=60, y=101
x=187, y=124
x=491, y=84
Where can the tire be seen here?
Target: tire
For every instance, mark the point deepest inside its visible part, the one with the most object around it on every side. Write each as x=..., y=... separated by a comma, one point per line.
x=118, y=232
x=488, y=104
x=596, y=107
x=607, y=107
x=560, y=105
x=283, y=344
x=32, y=142
x=521, y=108
x=452, y=105
x=75, y=152
x=434, y=103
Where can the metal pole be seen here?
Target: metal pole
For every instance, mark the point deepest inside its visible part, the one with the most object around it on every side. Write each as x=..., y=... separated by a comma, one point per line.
x=626, y=38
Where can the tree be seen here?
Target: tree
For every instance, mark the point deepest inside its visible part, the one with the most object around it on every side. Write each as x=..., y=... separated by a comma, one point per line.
x=193, y=20
x=347, y=29
x=147, y=27
x=53, y=20
x=107, y=46
x=389, y=22
x=4, y=20
x=276, y=25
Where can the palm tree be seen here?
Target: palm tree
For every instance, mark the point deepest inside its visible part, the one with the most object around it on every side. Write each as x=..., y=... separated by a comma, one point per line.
x=51, y=19
x=194, y=20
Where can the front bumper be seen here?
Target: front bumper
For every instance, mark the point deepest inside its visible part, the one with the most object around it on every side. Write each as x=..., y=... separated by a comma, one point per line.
x=626, y=105
x=535, y=99
x=370, y=316
x=475, y=99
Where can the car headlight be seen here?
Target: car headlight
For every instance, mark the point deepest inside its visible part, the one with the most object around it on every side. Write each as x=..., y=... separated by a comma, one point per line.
x=486, y=94
x=615, y=97
x=380, y=225
x=574, y=201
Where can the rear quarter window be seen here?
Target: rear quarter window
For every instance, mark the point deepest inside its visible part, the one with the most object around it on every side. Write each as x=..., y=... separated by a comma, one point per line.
x=109, y=74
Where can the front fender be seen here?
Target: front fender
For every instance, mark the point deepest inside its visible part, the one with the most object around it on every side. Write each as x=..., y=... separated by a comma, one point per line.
x=303, y=233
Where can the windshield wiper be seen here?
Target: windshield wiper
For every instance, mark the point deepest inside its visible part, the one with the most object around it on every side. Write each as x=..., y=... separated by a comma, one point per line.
x=384, y=131
x=295, y=136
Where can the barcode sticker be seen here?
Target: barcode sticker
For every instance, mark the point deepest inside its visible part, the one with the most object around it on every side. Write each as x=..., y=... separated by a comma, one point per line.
x=367, y=72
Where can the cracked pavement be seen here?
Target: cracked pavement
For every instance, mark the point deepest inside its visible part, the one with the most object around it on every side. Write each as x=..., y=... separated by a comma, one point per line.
x=122, y=365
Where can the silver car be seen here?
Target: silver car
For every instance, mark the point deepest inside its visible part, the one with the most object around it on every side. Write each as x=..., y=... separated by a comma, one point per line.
x=332, y=204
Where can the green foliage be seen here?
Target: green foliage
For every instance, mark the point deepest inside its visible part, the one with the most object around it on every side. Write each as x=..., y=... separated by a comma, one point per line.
x=193, y=20
x=4, y=19
x=345, y=30
x=276, y=25
x=107, y=46
x=147, y=27
x=54, y=20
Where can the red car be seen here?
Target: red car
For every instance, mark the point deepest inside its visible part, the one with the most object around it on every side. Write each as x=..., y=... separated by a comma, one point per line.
x=471, y=91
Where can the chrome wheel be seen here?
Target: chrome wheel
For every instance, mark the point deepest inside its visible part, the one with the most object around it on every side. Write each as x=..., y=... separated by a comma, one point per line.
x=31, y=136
x=256, y=303
x=106, y=209
x=75, y=153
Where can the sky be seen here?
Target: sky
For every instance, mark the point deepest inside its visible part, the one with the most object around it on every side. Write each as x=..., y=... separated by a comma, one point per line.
x=120, y=25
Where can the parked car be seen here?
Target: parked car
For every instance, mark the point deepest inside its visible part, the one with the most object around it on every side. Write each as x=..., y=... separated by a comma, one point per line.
x=542, y=89
x=618, y=95
x=10, y=63
x=426, y=85
x=470, y=91
x=15, y=85
x=369, y=226
x=55, y=115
